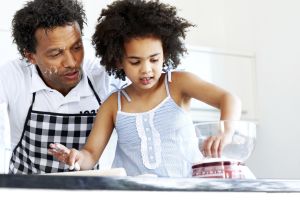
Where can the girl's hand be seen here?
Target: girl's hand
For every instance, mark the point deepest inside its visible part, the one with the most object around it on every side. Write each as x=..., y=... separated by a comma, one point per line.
x=63, y=154
x=214, y=145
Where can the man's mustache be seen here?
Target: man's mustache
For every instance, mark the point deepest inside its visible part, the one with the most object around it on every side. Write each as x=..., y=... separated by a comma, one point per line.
x=65, y=71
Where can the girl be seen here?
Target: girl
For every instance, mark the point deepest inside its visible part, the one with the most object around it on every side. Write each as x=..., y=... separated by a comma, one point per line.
x=141, y=40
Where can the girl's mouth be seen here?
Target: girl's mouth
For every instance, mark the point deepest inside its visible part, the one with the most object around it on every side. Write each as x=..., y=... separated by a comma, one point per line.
x=146, y=80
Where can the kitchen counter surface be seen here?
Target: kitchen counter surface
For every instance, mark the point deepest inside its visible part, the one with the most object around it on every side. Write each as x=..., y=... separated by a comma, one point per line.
x=147, y=184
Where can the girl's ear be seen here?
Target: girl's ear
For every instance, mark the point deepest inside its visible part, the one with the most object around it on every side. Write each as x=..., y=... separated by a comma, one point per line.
x=119, y=65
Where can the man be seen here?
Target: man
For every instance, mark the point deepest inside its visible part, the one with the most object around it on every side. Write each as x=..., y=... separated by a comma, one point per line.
x=52, y=93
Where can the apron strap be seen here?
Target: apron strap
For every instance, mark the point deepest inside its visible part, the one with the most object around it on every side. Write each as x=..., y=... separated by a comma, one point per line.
x=96, y=95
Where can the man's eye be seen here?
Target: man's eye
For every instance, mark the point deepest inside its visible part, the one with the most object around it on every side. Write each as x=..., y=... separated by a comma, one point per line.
x=78, y=47
x=154, y=60
x=55, y=55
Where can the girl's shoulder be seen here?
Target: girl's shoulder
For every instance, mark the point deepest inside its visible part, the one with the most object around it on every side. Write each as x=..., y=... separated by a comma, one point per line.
x=111, y=101
x=181, y=76
x=183, y=81
x=181, y=73
x=112, y=97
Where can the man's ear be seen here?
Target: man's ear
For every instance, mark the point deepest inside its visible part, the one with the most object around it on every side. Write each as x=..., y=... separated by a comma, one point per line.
x=30, y=57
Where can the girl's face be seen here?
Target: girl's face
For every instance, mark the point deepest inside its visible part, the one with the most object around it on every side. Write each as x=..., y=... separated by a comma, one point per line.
x=143, y=61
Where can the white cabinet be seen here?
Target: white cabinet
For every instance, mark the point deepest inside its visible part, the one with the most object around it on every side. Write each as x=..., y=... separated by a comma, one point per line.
x=233, y=71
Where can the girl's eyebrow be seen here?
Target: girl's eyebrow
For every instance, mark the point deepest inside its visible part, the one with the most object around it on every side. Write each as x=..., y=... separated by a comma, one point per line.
x=135, y=57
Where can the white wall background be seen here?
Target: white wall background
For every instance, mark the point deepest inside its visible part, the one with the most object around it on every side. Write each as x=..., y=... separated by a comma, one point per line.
x=270, y=29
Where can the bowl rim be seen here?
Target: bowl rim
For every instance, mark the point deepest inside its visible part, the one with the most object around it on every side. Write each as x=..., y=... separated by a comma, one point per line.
x=220, y=121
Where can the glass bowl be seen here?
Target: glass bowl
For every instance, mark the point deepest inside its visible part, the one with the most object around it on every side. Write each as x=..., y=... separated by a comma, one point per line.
x=241, y=137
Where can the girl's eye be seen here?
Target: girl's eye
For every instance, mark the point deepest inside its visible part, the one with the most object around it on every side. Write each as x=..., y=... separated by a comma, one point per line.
x=135, y=63
x=154, y=60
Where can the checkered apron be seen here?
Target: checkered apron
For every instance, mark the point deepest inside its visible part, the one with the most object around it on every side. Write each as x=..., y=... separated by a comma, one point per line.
x=30, y=156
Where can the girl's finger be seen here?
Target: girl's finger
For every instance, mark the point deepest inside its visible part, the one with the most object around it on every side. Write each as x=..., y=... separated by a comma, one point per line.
x=207, y=146
x=215, y=147
x=62, y=148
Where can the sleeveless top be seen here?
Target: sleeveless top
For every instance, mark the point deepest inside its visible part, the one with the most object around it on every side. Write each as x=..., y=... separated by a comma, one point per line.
x=160, y=141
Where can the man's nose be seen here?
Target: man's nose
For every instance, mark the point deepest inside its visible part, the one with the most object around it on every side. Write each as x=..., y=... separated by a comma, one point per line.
x=69, y=60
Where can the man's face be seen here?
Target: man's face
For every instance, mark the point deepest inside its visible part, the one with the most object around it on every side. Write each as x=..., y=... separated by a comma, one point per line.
x=59, y=55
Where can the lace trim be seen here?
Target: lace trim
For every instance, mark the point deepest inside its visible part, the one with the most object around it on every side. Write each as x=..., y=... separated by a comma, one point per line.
x=156, y=140
x=144, y=142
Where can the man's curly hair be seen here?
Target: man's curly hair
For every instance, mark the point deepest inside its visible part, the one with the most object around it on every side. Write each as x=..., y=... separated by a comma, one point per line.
x=46, y=14
x=127, y=19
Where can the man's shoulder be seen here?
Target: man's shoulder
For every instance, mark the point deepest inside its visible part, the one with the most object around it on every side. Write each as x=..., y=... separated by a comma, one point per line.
x=15, y=79
x=95, y=71
x=92, y=65
x=16, y=68
x=103, y=83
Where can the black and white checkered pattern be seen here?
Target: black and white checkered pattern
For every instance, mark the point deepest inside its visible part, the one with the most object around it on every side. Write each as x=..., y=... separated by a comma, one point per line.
x=42, y=128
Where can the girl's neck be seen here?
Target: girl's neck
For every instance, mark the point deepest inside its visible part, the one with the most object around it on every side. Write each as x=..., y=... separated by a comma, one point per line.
x=144, y=100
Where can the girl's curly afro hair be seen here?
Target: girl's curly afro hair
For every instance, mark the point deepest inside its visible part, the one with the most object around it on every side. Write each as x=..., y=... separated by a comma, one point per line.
x=127, y=19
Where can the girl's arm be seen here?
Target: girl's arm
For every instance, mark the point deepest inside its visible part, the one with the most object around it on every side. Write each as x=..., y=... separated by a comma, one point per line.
x=100, y=133
x=188, y=85
x=102, y=129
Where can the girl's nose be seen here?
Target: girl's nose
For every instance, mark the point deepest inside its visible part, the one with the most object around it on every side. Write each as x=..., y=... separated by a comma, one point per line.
x=146, y=68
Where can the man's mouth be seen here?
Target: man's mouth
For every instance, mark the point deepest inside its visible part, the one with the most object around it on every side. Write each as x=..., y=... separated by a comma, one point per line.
x=72, y=75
